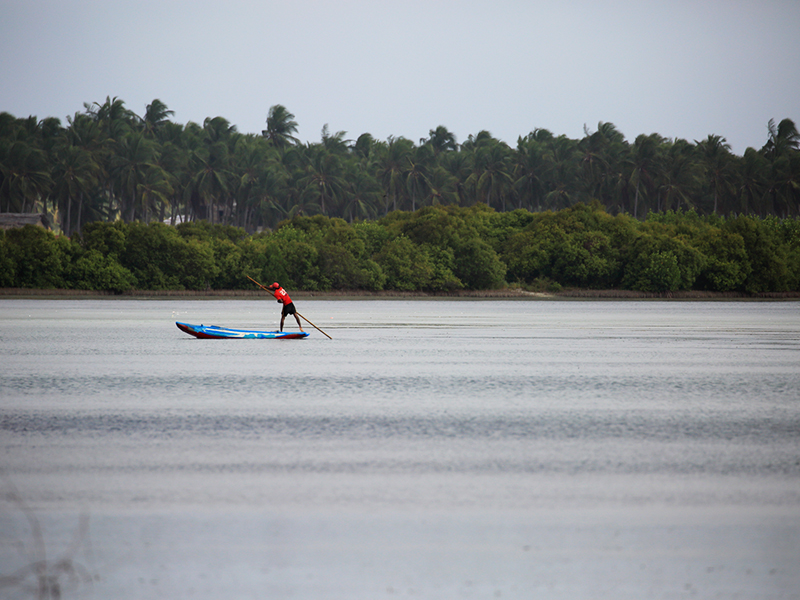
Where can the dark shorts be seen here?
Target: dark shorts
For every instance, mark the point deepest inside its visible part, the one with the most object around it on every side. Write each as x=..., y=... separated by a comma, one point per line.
x=288, y=309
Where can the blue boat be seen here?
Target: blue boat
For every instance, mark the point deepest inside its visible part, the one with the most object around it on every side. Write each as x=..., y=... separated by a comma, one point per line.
x=213, y=332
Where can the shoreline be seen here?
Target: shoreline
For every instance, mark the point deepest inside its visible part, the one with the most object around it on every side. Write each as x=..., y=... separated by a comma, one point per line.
x=501, y=294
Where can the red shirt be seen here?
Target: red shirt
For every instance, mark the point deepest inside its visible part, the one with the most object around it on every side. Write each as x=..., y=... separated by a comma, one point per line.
x=282, y=296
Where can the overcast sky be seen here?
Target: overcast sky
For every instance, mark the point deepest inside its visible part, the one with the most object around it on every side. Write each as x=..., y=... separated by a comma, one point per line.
x=683, y=69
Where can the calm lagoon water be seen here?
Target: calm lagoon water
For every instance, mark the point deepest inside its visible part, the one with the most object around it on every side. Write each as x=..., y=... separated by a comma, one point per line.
x=432, y=449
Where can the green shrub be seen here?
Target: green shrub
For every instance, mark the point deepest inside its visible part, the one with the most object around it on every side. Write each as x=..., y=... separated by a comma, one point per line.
x=727, y=265
x=160, y=259
x=106, y=238
x=7, y=265
x=205, y=231
x=373, y=277
x=528, y=256
x=655, y=258
x=586, y=259
x=231, y=265
x=443, y=279
x=298, y=254
x=193, y=265
x=406, y=265
x=40, y=259
x=373, y=236
x=769, y=271
x=478, y=267
x=338, y=267
x=657, y=272
x=93, y=271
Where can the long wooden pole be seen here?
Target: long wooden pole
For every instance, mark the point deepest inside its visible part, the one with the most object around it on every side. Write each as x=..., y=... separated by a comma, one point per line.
x=298, y=314
x=258, y=284
x=314, y=326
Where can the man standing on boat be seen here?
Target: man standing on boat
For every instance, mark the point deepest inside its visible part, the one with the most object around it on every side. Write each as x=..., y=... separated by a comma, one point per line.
x=288, y=305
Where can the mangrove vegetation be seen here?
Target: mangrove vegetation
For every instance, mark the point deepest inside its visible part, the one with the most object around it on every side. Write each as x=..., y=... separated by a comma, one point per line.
x=433, y=249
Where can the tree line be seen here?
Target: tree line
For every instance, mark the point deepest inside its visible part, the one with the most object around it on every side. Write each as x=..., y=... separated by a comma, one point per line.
x=109, y=164
x=433, y=249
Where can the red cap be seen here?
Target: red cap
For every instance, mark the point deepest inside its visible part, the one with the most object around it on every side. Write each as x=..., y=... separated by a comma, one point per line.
x=275, y=285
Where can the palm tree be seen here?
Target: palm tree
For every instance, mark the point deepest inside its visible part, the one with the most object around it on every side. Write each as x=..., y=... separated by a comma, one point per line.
x=782, y=138
x=681, y=177
x=491, y=179
x=8, y=125
x=600, y=152
x=335, y=142
x=134, y=157
x=482, y=138
x=363, y=193
x=74, y=177
x=781, y=150
x=24, y=176
x=441, y=187
x=528, y=174
x=85, y=132
x=441, y=140
x=248, y=162
x=416, y=174
x=752, y=182
x=715, y=152
x=459, y=166
x=364, y=146
x=154, y=191
x=391, y=164
x=173, y=159
x=561, y=171
x=280, y=127
x=219, y=130
x=644, y=163
x=783, y=183
x=258, y=183
x=210, y=180
x=273, y=196
x=155, y=117
x=50, y=135
x=219, y=140
x=541, y=135
x=323, y=181
x=115, y=120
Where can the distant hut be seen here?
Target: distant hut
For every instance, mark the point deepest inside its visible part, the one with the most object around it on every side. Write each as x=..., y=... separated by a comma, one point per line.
x=12, y=220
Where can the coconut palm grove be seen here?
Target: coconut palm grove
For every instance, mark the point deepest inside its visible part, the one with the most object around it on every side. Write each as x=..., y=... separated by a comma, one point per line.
x=144, y=203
